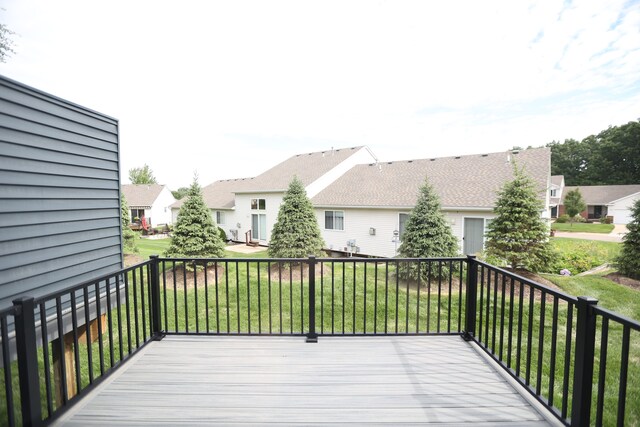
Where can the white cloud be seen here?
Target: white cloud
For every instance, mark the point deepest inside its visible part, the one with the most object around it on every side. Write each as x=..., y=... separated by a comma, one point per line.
x=231, y=88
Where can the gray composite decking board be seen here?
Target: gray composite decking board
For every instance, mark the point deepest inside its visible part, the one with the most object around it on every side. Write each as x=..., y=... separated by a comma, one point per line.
x=285, y=381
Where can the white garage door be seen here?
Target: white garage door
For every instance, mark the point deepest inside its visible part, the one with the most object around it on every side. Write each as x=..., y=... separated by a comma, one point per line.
x=620, y=216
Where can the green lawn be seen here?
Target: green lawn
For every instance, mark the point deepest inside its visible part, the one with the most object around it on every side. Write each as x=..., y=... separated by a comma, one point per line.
x=582, y=227
x=148, y=247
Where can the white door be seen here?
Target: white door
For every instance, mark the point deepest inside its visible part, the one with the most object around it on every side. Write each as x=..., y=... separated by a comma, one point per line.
x=259, y=227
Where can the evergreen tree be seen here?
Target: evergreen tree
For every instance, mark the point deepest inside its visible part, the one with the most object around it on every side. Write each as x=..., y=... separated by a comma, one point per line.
x=628, y=262
x=426, y=234
x=129, y=236
x=195, y=233
x=574, y=204
x=296, y=233
x=518, y=235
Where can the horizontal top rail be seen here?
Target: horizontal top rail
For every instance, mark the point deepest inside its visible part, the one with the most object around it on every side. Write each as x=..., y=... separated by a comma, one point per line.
x=611, y=315
x=539, y=286
x=302, y=260
x=90, y=282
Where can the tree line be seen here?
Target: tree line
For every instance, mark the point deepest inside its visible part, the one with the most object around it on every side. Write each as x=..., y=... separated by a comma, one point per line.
x=611, y=157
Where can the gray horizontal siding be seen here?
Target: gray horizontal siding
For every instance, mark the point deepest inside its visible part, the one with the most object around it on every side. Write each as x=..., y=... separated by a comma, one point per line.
x=59, y=193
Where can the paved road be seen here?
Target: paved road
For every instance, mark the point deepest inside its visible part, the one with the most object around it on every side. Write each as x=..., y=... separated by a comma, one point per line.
x=614, y=236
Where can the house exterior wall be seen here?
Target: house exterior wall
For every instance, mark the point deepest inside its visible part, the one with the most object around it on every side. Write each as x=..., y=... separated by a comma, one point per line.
x=160, y=210
x=243, y=212
x=59, y=193
x=621, y=209
x=358, y=222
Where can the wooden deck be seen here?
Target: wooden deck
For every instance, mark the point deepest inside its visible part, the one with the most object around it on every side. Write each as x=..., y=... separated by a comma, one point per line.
x=285, y=381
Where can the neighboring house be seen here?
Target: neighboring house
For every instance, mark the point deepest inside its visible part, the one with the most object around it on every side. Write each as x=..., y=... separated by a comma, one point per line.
x=365, y=210
x=59, y=193
x=252, y=204
x=555, y=194
x=152, y=201
x=607, y=200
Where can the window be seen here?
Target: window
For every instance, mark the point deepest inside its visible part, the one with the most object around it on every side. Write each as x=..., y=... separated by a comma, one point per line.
x=259, y=226
x=136, y=213
x=219, y=217
x=258, y=204
x=402, y=223
x=554, y=192
x=333, y=220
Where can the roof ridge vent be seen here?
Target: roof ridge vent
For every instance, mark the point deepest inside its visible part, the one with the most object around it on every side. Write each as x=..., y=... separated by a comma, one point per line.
x=433, y=160
x=456, y=157
x=484, y=155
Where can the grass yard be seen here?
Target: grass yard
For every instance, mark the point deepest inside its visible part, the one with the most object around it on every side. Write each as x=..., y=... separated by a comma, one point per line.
x=582, y=227
x=148, y=247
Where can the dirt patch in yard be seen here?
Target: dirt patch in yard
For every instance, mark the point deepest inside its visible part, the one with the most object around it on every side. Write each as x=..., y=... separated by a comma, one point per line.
x=178, y=274
x=623, y=280
x=294, y=272
x=132, y=259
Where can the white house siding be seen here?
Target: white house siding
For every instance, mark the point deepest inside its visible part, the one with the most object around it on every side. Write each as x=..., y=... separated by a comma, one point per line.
x=362, y=156
x=359, y=221
x=160, y=211
x=243, y=212
x=621, y=209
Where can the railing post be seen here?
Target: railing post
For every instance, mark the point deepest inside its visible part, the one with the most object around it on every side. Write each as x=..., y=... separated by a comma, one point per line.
x=471, y=301
x=312, y=336
x=28, y=361
x=156, y=322
x=583, y=363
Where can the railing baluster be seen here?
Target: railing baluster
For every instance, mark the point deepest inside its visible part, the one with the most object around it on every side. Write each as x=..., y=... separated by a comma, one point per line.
x=99, y=319
x=583, y=365
x=74, y=332
x=502, y=307
x=248, y=301
x=8, y=377
x=418, y=298
x=554, y=342
x=110, y=324
x=238, y=295
x=60, y=352
x=127, y=305
x=195, y=295
x=280, y=292
x=510, y=337
x=450, y=297
x=291, y=310
x=397, y=296
x=45, y=355
x=624, y=367
x=186, y=302
x=604, y=339
x=375, y=299
x=386, y=297
x=175, y=297
x=344, y=285
x=543, y=299
x=567, y=362
x=165, y=306
x=364, y=302
x=119, y=316
x=218, y=302
x=529, y=336
x=429, y=263
x=206, y=298
x=519, y=338
x=269, y=287
x=312, y=336
x=27, y=352
x=439, y=291
x=353, y=308
x=471, y=301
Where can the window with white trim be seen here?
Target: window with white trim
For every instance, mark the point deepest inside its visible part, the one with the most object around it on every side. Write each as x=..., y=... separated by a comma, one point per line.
x=402, y=223
x=219, y=217
x=554, y=192
x=334, y=220
x=258, y=204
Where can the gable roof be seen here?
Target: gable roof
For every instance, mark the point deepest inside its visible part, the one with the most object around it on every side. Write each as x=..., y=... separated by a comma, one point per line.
x=557, y=180
x=220, y=194
x=308, y=167
x=141, y=196
x=463, y=181
x=603, y=194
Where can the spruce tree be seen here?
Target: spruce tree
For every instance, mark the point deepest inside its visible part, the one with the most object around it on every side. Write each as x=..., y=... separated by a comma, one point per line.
x=518, y=235
x=195, y=234
x=296, y=233
x=129, y=236
x=427, y=233
x=628, y=262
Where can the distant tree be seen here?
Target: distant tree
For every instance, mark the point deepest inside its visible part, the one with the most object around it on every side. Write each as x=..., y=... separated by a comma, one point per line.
x=195, y=234
x=611, y=157
x=518, y=235
x=574, y=204
x=180, y=193
x=129, y=236
x=296, y=233
x=426, y=233
x=628, y=262
x=6, y=43
x=142, y=175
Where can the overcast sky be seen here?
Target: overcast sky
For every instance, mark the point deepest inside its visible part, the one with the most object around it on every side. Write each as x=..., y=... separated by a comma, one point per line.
x=232, y=88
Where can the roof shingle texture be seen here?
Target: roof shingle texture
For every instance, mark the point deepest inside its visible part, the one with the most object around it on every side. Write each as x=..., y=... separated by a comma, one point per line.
x=141, y=195
x=220, y=194
x=465, y=181
x=603, y=194
x=307, y=167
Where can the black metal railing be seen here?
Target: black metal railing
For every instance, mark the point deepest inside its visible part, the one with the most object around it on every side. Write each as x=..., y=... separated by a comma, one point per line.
x=548, y=341
x=563, y=350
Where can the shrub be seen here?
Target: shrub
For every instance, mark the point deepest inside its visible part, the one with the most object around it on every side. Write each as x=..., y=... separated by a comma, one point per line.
x=563, y=219
x=606, y=219
x=223, y=234
x=583, y=256
x=628, y=262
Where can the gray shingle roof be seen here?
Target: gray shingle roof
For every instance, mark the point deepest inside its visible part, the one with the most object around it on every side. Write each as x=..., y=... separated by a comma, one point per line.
x=603, y=194
x=307, y=167
x=141, y=195
x=557, y=180
x=220, y=194
x=464, y=181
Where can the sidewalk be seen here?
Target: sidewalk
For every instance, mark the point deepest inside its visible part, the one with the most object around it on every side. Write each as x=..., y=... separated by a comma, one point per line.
x=619, y=230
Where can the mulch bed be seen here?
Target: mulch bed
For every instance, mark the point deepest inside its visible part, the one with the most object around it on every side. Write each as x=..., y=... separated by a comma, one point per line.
x=294, y=272
x=623, y=280
x=132, y=259
x=192, y=277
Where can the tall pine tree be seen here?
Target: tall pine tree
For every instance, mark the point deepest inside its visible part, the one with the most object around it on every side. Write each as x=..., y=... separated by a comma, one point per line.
x=195, y=235
x=426, y=234
x=628, y=262
x=296, y=233
x=518, y=235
